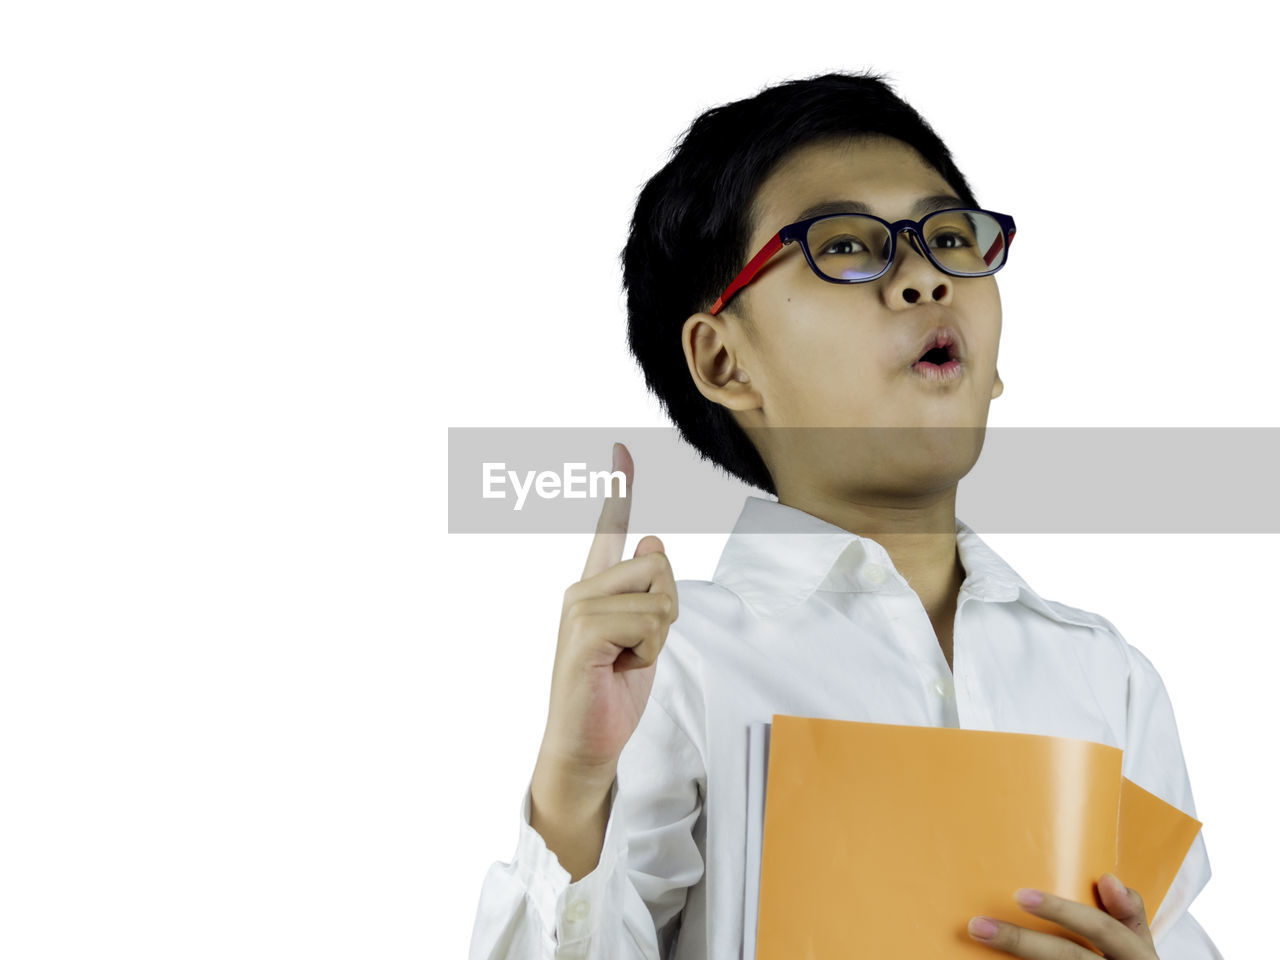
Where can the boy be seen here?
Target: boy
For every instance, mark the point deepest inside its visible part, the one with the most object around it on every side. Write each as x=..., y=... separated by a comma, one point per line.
x=809, y=258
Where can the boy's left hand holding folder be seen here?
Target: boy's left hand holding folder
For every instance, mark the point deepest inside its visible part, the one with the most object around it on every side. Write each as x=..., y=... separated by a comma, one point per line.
x=1121, y=932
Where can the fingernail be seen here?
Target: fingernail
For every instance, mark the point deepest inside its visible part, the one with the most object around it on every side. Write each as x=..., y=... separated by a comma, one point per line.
x=616, y=446
x=983, y=928
x=1028, y=897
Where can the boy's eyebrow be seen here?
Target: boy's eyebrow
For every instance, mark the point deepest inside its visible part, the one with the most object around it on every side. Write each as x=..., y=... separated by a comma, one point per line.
x=938, y=201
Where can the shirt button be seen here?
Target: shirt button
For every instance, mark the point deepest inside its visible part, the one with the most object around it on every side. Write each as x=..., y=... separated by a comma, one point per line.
x=874, y=573
x=944, y=687
x=577, y=911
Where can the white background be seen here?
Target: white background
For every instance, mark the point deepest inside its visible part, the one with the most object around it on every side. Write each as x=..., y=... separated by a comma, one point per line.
x=256, y=258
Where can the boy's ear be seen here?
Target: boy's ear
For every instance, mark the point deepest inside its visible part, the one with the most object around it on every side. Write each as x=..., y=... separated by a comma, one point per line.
x=717, y=373
x=997, y=388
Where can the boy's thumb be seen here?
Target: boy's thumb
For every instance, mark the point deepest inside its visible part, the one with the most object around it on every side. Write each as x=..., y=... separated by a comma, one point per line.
x=649, y=544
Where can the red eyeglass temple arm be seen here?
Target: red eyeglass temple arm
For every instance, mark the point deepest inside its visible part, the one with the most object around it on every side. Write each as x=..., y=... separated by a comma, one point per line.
x=996, y=248
x=748, y=272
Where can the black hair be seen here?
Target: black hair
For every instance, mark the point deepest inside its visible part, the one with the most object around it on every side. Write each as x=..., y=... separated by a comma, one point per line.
x=692, y=222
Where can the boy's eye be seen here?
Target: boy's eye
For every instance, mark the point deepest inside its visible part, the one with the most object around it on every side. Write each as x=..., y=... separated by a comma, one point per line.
x=950, y=241
x=843, y=245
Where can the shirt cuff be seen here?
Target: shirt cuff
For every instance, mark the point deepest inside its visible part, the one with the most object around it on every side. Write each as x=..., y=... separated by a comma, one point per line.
x=571, y=910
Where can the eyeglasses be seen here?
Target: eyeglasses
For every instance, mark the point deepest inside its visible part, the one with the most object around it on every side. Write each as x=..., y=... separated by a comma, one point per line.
x=857, y=247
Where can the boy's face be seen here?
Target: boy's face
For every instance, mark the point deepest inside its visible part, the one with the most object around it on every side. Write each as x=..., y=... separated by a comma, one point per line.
x=842, y=355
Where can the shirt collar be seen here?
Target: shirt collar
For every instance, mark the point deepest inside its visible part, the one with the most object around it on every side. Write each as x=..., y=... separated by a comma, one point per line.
x=777, y=556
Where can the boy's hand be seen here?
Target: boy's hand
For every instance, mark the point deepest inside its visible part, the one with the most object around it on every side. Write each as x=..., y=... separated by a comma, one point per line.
x=1121, y=933
x=613, y=625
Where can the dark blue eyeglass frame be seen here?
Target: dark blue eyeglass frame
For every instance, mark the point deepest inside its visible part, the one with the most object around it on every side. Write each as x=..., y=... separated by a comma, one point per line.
x=799, y=231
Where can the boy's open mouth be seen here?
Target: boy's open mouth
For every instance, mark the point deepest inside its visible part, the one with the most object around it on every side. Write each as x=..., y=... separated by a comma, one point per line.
x=941, y=347
x=936, y=355
x=939, y=356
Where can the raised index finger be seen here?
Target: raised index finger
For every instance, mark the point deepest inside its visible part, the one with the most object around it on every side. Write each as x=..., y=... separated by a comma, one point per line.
x=615, y=515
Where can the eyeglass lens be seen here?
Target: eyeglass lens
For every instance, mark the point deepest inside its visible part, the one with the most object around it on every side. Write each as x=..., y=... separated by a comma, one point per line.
x=854, y=247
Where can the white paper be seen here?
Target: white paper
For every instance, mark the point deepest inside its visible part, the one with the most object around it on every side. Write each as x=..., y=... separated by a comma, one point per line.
x=757, y=780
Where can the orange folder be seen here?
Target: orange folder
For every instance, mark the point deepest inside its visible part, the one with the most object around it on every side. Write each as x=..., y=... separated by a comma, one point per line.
x=883, y=840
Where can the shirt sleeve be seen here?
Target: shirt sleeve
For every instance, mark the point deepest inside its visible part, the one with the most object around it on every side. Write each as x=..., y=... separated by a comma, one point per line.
x=1153, y=759
x=629, y=906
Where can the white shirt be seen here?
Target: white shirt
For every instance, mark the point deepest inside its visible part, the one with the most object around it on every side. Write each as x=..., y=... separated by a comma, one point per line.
x=815, y=621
